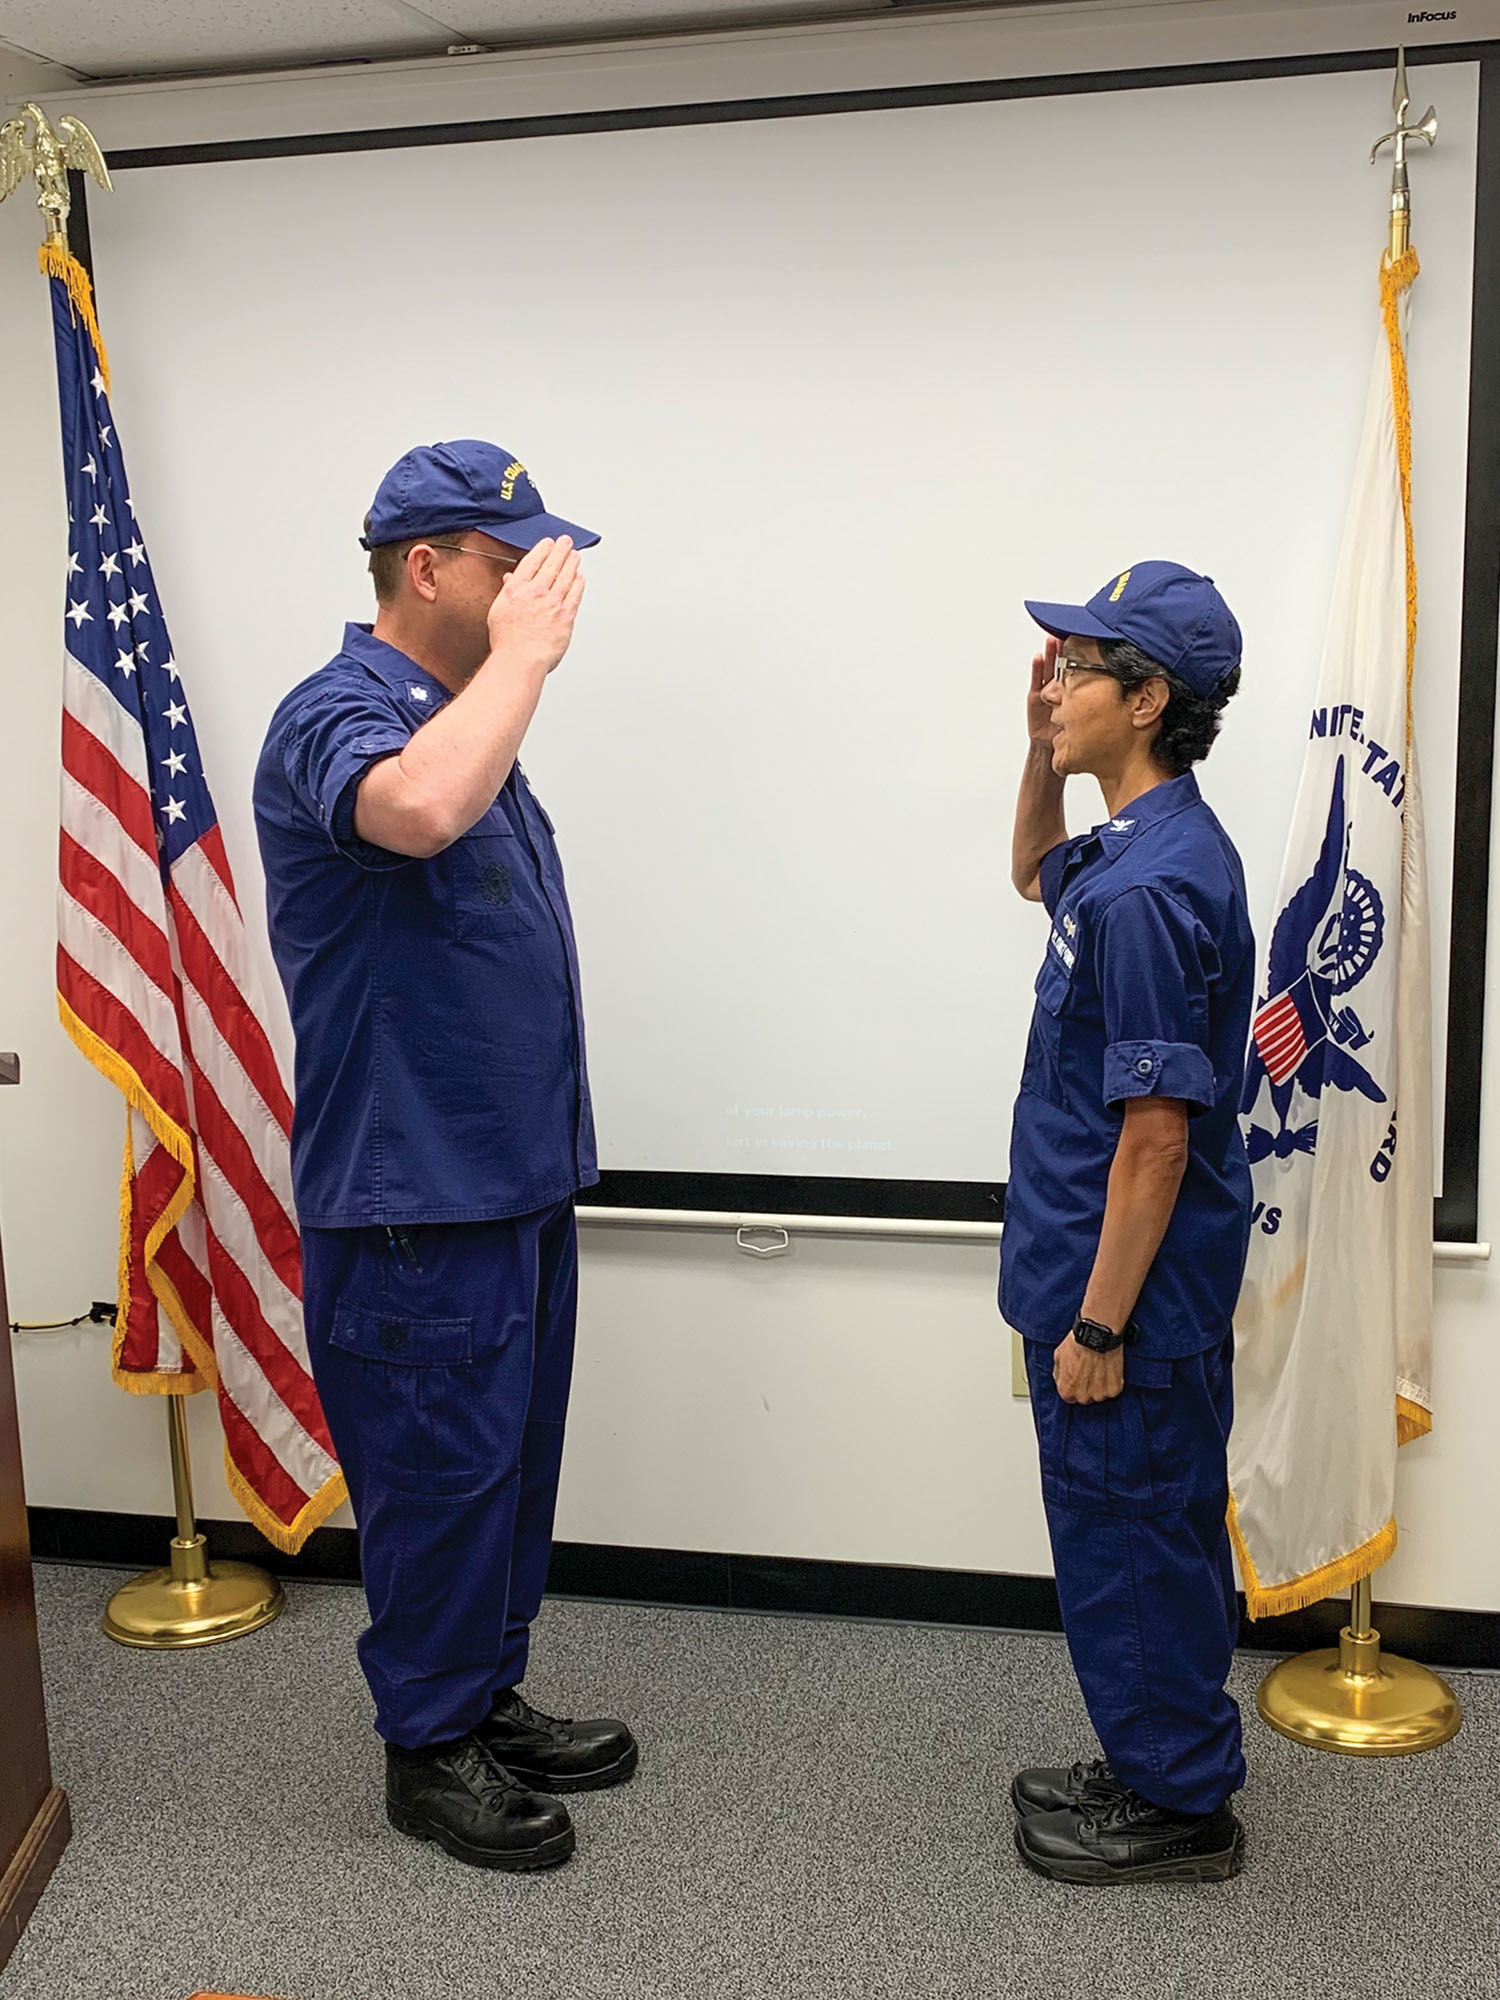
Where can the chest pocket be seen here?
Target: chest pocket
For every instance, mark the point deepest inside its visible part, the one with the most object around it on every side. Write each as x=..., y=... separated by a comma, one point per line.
x=1042, y=1075
x=489, y=888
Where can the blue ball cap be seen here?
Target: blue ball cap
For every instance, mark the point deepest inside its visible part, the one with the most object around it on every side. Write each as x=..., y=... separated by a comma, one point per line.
x=438, y=489
x=1171, y=613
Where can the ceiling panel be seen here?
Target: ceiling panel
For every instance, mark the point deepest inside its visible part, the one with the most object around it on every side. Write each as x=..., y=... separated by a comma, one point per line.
x=494, y=21
x=141, y=37
x=108, y=39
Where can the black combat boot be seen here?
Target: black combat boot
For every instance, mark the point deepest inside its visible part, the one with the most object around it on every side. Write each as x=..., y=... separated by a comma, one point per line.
x=556, y=1755
x=456, y=1794
x=1120, y=1837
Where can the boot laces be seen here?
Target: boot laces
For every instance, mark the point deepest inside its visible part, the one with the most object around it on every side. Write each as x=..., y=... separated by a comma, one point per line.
x=517, y=1709
x=1117, y=1809
x=1093, y=1779
x=482, y=1773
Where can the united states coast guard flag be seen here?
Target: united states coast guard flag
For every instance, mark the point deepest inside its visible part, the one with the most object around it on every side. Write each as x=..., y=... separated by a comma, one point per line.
x=154, y=986
x=1334, y=1326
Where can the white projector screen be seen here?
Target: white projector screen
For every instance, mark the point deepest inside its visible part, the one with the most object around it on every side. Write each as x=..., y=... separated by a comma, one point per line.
x=839, y=391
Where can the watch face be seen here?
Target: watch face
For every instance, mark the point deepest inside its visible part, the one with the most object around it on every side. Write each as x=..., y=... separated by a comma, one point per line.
x=1089, y=1333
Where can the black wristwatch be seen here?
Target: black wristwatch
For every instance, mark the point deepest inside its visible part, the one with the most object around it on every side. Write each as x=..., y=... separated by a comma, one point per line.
x=1100, y=1339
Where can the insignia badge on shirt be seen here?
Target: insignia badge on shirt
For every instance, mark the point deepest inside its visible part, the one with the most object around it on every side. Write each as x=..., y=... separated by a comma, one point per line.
x=417, y=693
x=1121, y=825
x=494, y=884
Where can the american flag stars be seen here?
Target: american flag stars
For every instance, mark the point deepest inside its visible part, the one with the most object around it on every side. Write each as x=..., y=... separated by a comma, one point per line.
x=113, y=609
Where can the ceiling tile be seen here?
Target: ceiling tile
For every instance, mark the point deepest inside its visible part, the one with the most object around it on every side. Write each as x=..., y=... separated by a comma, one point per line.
x=102, y=38
x=498, y=21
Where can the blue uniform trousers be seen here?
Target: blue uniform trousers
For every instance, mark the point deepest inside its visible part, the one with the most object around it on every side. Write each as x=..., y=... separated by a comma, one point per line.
x=1136, y=1492
x=443, y=1354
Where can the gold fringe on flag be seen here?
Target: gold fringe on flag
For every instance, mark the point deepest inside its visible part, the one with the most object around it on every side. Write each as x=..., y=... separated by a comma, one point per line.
x=58, y=262
x=1275, y=1600
x=1413, y=1419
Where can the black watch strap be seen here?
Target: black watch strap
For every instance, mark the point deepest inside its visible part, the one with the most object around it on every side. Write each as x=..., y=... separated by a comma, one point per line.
x=1097, y=1337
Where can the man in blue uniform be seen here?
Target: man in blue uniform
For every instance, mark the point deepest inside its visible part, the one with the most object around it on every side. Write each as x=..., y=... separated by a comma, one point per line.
x=1127, y=1218
x=443, y=1127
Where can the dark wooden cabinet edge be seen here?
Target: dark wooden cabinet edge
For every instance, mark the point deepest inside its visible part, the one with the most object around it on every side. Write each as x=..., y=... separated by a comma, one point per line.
x=31, y=1867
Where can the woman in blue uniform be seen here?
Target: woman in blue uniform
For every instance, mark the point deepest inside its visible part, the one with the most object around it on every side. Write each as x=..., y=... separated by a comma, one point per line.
x=1127, y=1217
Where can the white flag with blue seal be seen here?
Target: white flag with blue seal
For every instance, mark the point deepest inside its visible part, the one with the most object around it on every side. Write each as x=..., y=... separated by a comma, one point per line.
x=1334, y=1326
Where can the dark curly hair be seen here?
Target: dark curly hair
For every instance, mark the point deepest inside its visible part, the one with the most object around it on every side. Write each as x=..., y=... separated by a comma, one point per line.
x=1189, y=722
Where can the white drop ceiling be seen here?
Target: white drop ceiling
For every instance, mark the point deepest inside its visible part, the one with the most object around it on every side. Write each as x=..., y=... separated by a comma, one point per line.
x=114, y=39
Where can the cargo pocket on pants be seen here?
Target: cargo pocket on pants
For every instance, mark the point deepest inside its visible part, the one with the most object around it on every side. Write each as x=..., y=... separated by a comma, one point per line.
x=1114, y=1457
x=413, y=1388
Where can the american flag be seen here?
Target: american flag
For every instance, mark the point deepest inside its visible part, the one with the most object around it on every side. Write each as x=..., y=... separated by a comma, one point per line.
x=155, y=987
x=1287, y=1028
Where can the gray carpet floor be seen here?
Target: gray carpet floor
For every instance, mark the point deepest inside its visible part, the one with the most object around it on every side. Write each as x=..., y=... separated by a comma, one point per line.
x=821, y=1810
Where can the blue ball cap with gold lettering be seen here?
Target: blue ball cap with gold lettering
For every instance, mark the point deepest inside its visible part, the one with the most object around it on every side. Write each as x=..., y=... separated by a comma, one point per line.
x=1171, y=613
x=439, y=489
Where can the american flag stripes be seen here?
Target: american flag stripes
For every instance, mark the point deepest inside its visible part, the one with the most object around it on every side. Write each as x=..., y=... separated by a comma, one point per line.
x=1286, y=1028
x=155, y=987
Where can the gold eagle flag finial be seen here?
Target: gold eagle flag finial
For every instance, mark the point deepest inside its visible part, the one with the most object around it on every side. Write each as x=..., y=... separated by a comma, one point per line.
x=47, y=154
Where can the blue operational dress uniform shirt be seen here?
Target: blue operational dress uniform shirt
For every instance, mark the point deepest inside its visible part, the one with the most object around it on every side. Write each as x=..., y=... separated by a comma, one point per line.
x=442, y=1128
x=1145, y=989
x=440, y=1064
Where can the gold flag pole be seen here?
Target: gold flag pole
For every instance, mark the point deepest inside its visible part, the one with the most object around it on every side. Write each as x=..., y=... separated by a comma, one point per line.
x=191, y=1602
x=1353, y=1698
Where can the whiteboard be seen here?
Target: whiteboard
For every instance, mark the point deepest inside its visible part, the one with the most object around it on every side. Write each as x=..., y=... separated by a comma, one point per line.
x=838, y=391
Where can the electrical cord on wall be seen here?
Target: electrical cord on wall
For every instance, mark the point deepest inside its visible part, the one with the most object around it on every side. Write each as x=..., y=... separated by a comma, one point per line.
x=100, y=1313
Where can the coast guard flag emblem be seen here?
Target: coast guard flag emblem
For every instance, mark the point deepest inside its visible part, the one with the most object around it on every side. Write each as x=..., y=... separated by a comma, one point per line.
x=1334, y=1324
x=155, y=987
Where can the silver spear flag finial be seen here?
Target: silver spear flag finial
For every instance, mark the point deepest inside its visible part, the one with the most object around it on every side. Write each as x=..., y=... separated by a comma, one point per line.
x=1400, y=182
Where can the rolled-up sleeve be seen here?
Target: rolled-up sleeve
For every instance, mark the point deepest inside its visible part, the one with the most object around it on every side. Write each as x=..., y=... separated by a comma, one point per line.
x=1155, y=963
x=331, y=742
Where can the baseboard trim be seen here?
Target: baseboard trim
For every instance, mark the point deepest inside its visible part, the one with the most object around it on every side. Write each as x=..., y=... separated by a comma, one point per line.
x=1438, y=1636
x=31, y=1867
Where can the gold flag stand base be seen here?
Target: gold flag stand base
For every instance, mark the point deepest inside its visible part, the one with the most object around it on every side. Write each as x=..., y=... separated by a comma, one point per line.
x=192, y=1602
x=1355, y=1700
